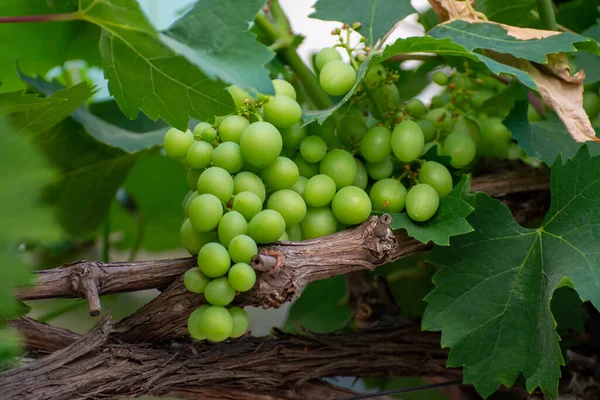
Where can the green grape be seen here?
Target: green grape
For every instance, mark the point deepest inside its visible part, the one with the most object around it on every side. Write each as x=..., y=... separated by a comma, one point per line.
x=591, y=103
x=247, y=204
x=266, y=227
x=313, y=149
x=240, y=322
x=293, y=136
x=199, y=155
x=325, y=131
x=362, y=178
x=213, y=260
x=319, y=190
x=374, y=76
x=194, y=281
x=294, y=233
x=194, y=325
x=216, y=323
x=239, y=96
x=176, y=143
x=209, y=134
x=219, y=292
x=340, y=166
x=440, y=78
x=198, y=129
x=261, y=144
x=249, y=182
x=326, y=55
x=231, y=128
x=228, y=156
x=468, y=126
x=488, y=82
x=427, y=128
x=381, y=170
x=284, y=88
x=337, y=78
x=300, y=185
x=440, y=118
x=205, y=212
x=422, y=201
x=242, y=248
x=480, y=96
x=241, y=277
x=351, y=128
x=441, y=100
x=189, y=197
x=282, y=111
x=388, y=195
x=217, y=181
x=351, y=205
x=284, y=238
x=281, y=174
x=318, y=222
x=385, y=98
x=193, y=240
x=289, y=204
x=461, y=148
x=415, y=108
x=437, y=176
x=533, y=115
x=376, y=145
x=407, y=141
x=306, y=169
x=192, y=176
x=231, y=225
x=493, y=130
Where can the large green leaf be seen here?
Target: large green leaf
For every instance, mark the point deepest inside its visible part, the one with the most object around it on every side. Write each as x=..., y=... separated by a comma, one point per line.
x=376, y=16
x=492, y=298
x=493, y=37
x=448, y=221
x=144, y=73
x=588, y=62
x=578, y=15
x=510, y=12
x=216, y=35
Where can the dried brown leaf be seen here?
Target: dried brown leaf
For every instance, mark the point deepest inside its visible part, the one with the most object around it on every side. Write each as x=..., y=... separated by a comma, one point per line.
x=451, y=9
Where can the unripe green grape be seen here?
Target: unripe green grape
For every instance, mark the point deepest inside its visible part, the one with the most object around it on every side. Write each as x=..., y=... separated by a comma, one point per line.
x=362, y=178
x=194, y=324
x=325, y=131
x=228, y=156
x=440, y=118
x=284, y=88
x=231, y=128
x=340, y=166
x=374, y=76
x=388, y=195
x=415, y=108
x=194, y=281
x=219, y=292
x=266, y=227
x=284, y=238
x=481, y=96
x=199, y=128
x=381, y=170
x=247, y=204
x=440, y=78
x=199, y=155
x=422, y=201
x=239, y=96
x=242, y=248
x=533, y=115
x=176, y=143
x=282, y=111
x=217, y=181
x=192, y=194
x=205, y=212
x=441, y=100
x=591, y=103
x=351, y=128
x=427, y=128
x=306, y=169
x=493, y=130
x=213, y=260
x=326, y=55
x=407, y=141
x=319, y=190
x=216, y=323
x=385, y=98
x=193, y=240
x=294, y=233
x=281, y=174
x=351, y=205
x=231, y=225
x=313, y=149
x=209, y=134
x=241, y=277
x=437, y=176
x=468, y=126
x=300, y=185
x=293, y=136
x=461, y=148
x=376, y=145
x=289, y=204
x=240, y=322
x=318, y=222
x=261, y=144
x=249, y=182
x=337, y=78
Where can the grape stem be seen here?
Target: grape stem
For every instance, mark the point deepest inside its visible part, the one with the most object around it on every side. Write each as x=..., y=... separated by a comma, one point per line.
x=39, y=18
x=547, y=16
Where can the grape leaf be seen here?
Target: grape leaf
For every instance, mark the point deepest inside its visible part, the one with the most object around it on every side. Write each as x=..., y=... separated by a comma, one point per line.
x=510, y=12
x=376, y=16
x=578, y=15
x=590, y=63
x=144, y=73
x=448, y=221
x=216, y=35
x=492, y=298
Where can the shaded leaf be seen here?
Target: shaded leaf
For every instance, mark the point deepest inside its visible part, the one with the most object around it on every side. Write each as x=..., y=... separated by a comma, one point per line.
x=510, y=12
x=568, y=311
x=589, y=62
x=578, y=15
